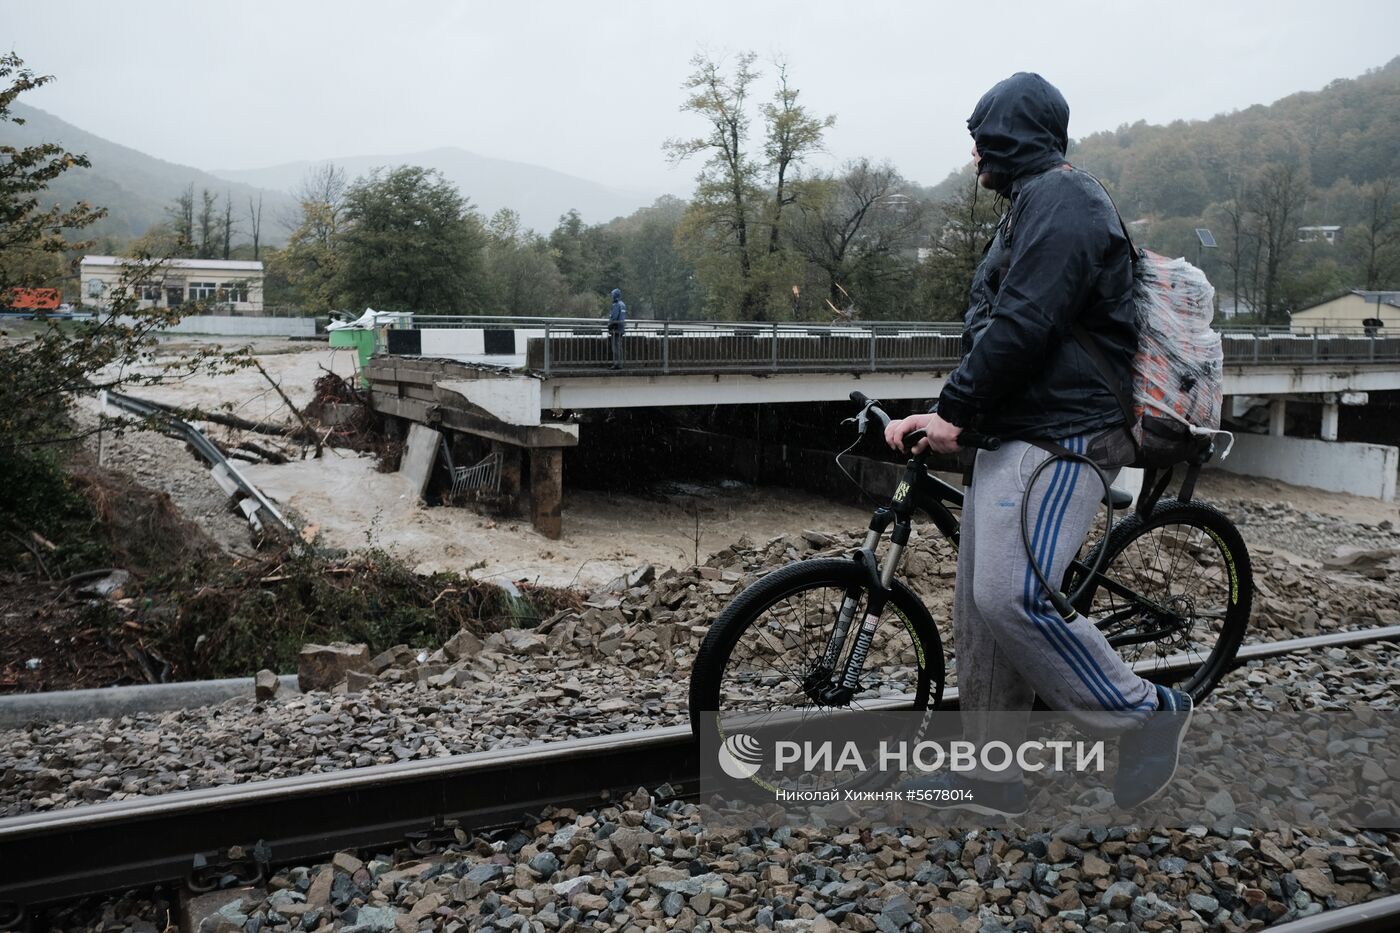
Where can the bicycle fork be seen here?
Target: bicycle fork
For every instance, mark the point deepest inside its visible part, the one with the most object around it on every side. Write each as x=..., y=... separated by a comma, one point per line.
x=840, y=689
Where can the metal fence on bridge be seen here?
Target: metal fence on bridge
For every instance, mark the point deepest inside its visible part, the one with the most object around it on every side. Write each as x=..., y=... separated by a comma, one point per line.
x=562, y=346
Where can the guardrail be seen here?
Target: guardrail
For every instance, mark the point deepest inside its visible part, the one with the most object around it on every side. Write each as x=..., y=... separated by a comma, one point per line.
x=254, y=505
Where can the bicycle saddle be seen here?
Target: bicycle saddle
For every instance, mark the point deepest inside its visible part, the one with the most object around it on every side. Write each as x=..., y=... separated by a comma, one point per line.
x=1121, y=498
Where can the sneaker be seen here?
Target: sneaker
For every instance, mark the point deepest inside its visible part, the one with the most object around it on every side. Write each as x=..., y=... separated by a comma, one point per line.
x=950, y=791
x=1147, y=756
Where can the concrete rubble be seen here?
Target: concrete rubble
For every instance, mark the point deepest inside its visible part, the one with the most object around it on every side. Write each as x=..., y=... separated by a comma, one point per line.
x=321, y=667
x=265, y=685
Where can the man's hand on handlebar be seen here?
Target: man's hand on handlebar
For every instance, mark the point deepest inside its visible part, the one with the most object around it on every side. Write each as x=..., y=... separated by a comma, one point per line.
x=940, y=435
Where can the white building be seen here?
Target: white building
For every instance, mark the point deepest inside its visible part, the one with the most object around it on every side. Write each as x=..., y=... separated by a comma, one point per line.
x=1329, y=234
x=226, y=286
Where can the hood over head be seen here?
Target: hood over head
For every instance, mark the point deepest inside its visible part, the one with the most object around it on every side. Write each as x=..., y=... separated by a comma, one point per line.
x=1020, y=126
x=617, y=294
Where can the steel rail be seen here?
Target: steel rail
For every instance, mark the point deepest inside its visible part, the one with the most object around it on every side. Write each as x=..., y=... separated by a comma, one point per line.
x=1378, y=916
x=202, y=446
x=72, y=853
x=65, y=854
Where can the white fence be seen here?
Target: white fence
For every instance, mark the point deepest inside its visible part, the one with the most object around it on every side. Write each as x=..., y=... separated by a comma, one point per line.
x=221, y=325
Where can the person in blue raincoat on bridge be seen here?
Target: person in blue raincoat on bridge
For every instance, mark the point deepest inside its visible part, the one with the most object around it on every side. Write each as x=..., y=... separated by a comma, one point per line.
x=617, y=323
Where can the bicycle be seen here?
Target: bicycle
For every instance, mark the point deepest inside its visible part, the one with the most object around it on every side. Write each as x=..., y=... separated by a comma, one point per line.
x=789, y=640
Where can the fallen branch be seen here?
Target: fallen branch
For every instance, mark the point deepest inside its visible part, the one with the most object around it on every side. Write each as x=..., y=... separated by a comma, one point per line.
x=295, y=411
x=267, y=453
x=242, y=424
x=284, y=577
x=34, y=550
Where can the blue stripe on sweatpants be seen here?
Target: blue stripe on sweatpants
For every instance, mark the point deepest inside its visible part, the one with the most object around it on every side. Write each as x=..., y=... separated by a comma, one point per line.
x=1060, y=627
x=1056, y=627
x=1057, y=499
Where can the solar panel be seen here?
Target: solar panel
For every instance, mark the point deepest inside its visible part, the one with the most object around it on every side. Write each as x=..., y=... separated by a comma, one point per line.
x=1206, y=237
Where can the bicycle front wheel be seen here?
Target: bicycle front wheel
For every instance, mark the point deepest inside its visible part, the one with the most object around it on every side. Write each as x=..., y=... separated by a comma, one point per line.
x=1176, y=589
x=765, y=653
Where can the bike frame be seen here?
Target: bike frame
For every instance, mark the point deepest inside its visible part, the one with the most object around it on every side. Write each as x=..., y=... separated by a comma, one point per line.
x=918, y=490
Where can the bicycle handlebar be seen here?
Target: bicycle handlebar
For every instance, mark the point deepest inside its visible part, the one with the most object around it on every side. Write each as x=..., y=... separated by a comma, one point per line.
x=968, y=437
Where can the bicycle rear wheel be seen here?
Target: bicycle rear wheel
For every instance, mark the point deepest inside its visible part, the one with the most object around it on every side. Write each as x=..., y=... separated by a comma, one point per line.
x=764, y=652
x=1175, y=585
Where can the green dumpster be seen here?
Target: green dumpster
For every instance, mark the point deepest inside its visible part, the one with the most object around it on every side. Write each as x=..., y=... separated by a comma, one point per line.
x=361, y=340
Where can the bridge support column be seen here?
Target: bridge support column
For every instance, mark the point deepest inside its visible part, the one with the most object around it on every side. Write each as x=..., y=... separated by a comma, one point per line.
x=1278, y=411
x=1330, y=408
x=547, y=490
x=511, y=473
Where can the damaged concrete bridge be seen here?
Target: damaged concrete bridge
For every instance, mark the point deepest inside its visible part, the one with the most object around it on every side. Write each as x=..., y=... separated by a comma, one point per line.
x=519, y=384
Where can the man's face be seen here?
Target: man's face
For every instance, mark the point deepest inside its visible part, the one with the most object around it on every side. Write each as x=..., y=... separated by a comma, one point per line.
x=983, y=178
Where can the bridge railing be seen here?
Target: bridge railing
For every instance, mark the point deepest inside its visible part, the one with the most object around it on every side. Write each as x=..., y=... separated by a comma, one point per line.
x=688, y=347
x=572, y=346
x=662, y=347
x=1245, y=349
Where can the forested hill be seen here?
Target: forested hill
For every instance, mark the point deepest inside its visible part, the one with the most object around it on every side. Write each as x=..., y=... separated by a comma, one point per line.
x=1347, y=132
x=137, y=189
x=1253, y=177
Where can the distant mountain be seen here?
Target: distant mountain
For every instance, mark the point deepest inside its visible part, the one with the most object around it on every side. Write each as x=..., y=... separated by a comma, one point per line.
x=134, y=187
x=539, y=195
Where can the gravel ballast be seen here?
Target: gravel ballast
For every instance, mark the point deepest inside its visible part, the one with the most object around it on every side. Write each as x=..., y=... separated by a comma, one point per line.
x=620, y=663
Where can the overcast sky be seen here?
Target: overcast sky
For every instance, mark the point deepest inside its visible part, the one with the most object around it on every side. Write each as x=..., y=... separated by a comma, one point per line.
x=592, y=87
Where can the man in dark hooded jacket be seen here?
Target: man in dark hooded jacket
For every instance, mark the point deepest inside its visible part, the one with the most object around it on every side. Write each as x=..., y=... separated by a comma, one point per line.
x=1057, y=275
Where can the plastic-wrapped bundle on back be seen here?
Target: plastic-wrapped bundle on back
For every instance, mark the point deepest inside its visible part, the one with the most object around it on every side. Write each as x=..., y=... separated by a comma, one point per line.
x=1178, y=379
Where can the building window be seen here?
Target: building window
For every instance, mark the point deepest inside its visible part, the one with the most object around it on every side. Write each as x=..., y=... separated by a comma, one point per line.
x=150, y=293
x=174, y=295
x=94, y=288
x=200, y=291
x=236, y=292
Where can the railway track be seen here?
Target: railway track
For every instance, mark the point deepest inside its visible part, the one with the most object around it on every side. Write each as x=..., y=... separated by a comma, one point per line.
x=68, y=854
x=1379, y=916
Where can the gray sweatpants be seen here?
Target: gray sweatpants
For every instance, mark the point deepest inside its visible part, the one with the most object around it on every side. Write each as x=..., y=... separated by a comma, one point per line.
x=1010, y=642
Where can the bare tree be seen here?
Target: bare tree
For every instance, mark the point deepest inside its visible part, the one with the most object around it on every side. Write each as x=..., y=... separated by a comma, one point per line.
x=854, y=221
x=1241, y=230
x=208, y=224
x=792, y=133
x=321, y=201
x=181, y=214
x=1379, y=231
x=255, y=222
x=227, y=225
x=1277, y=197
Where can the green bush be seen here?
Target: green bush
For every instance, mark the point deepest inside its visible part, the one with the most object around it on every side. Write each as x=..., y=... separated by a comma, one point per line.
x=46, y=524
